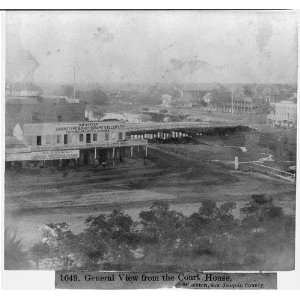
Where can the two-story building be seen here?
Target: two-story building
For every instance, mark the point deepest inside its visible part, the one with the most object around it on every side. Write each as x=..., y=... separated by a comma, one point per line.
x=284, y=114
x=74, y=140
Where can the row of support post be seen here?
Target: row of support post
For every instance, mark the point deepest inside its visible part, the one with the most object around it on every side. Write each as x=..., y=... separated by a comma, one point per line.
x=92, y=156
x=117, y=153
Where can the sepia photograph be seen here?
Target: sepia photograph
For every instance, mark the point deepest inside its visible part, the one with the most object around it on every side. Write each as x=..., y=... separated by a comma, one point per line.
x=150, y=140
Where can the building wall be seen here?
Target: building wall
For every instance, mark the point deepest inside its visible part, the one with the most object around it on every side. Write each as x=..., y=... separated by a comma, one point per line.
x=73, y=134
x=285, y=113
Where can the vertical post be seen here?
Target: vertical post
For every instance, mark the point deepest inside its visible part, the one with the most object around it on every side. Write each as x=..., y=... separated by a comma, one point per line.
x=113, y=153
x=95, y=156
x=146, y=151
x=131, y=151
x=232, y=100
x=236, y=162
x=120, y=153
x=74, y=89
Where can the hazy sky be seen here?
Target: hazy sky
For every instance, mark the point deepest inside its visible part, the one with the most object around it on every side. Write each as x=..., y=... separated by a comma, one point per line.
x=153, y=46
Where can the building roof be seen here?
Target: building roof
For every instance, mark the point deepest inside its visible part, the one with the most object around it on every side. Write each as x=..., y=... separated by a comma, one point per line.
x=113, y=116
x=286, y=102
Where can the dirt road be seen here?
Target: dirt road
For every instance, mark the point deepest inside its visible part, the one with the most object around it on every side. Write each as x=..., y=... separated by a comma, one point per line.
x=40, y=196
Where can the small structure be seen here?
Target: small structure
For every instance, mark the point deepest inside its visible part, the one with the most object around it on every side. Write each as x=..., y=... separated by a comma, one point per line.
x=166, y=100
x=238, y=105
x=113, y=117
x=244, y=104
x=207, y=98
x=284, y=114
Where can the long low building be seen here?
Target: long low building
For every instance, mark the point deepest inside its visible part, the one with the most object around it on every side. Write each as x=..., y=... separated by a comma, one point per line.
x=56, y=141
x=87, y=141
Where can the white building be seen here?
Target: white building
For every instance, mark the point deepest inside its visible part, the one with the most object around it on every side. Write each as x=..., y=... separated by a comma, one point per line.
x=166, y=100
x=284, y=114
x=72, y=100
x=113, y=117
x=54, y=141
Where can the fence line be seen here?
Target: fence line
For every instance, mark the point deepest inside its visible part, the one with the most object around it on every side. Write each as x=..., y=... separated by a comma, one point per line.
x=273, y=171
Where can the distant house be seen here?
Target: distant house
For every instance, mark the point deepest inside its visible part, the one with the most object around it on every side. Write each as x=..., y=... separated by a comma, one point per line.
x=284, y=114
x=237, y=105
x=133, y=118
x=166, y=100
x=185, y=99
x=243, y=104
x=93, y=113
x=72, y=100
x=207, y=98
x=113, y=117
x=126, y=117
x=59, y=99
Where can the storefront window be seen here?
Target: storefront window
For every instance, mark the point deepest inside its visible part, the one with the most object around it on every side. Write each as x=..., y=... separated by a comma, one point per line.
x=39, y=140
x=81, y=137
x=106, y=136
x=88, y=138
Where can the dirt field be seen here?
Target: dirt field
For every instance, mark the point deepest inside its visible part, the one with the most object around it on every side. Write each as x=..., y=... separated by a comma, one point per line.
x=183, y=175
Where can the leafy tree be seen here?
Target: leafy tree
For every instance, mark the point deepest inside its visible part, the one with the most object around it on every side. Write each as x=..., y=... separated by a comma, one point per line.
x=249, y=90
x=212, y=237
x=260, y=207
x=94, y=96
x=111, y=236
x=161, y=229
x=39, y=251
x=220, y=95
x=58, y=248
x=15, y=258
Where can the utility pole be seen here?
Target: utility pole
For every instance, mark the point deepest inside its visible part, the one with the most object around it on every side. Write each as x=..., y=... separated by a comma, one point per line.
x=232, y=100
x=74, y=80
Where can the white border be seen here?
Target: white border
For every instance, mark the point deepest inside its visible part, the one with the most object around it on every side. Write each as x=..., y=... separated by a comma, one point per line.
x=153, y=4
x=41, y=279
x=291, y=279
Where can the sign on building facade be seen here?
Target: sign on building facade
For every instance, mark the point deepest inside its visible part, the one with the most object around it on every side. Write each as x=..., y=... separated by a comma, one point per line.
x=42, y=155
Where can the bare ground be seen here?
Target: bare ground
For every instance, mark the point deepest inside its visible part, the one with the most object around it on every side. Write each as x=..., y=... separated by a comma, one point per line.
x=183, y=176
